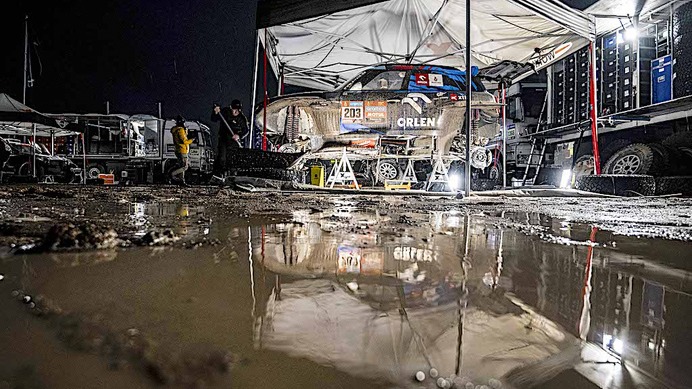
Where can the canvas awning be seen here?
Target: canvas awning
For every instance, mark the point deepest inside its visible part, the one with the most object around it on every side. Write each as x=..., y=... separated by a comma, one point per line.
x=318, y=44
x=18, y=114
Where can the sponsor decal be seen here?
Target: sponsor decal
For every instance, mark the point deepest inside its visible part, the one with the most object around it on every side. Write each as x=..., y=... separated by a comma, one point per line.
x=351, y=112
x=454, y=97
x=349, y=259
x=375, y=112
x=412, y=100
x=435, y=80
x=416, y=122
x=543, y=60
x=412, y=254
x=421, y=79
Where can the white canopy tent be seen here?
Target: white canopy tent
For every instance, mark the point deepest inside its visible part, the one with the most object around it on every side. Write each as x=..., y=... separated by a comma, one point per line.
x=319, y=45
x=325, y=47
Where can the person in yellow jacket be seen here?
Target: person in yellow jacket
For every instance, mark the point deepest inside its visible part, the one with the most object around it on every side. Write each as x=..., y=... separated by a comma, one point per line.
x=182, y=147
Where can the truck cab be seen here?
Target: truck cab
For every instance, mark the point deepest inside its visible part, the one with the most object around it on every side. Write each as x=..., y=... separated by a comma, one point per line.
x=201, y=155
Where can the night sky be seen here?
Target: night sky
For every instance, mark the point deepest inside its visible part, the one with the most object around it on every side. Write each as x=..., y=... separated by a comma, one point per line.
x=186, y=55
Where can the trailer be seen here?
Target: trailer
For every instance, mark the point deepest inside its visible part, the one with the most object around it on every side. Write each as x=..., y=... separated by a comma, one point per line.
x=136, y=149
x=644, y=102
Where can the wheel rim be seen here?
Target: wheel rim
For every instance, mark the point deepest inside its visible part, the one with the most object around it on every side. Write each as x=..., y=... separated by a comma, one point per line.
x=494, y=173
x=24, y=169
x=388, y=171
x=93, y=172
x=628, y=164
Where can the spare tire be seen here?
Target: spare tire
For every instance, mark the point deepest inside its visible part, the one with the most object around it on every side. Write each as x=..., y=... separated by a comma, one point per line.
x=637, y=158
x=618, y=184
x=674, y=185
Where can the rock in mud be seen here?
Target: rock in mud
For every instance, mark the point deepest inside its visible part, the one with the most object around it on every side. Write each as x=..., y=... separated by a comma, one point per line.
x=158, y=238
x=70, y=237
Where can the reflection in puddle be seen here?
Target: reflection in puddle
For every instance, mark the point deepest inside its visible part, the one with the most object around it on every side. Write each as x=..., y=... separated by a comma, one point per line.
x=455, y=292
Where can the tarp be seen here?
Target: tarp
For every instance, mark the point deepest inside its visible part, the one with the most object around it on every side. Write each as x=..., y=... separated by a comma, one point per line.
x=615, y=14
x=12, y=111
x=331, y=44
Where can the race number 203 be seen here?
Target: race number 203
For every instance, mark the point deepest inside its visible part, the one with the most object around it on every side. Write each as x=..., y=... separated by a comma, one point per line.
x=351, y=111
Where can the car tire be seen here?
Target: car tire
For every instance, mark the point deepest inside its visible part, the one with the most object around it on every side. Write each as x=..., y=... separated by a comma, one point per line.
x=618, y=184
x=389, y=170
x=94, y=169
x=635, y=159
x=678, y=139
x=674, y=185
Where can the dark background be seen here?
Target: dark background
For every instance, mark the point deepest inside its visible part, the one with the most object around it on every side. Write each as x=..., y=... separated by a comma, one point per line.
x=134, y=54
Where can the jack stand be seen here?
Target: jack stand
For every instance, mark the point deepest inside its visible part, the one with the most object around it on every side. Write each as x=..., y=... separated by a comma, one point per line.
x=342, y=173
x=409, y=173
x=440, y=174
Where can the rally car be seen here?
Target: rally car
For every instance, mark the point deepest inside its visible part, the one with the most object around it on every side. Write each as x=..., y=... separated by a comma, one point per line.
x=391, y=114
x=16, y=162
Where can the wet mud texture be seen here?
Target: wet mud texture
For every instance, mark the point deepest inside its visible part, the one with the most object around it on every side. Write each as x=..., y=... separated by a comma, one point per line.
x=92, y=334
x=67, y=217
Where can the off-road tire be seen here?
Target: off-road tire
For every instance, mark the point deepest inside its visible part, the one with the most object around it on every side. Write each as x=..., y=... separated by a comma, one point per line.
x=678, y=139
x=674, y=185
x=483, y=184
x=92, y=167
x=618, y=184
x=387, y=164
x=272, y=174
x=635, y=159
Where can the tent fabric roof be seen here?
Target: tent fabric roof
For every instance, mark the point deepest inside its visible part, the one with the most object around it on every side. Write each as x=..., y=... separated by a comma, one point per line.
x=321, y=51
x=12, y=111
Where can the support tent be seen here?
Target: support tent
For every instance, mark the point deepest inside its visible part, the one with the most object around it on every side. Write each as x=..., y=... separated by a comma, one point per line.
x=318, y=44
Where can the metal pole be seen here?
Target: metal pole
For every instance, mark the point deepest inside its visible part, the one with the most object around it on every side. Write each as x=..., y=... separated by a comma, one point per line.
x=108, y=107
x=467, y=175
x=33, y=148
x=504, y=135
x=254, y=92
x=264, y=121
x=594, y=107
x=52, y=142
x=26, y=55
x=159, y=104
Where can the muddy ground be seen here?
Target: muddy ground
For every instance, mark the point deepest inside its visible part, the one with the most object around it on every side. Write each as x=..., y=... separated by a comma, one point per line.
x=154, y=280
x=27, y=213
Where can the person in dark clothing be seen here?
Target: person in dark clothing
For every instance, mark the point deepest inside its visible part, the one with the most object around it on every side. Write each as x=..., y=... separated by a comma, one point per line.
x=233, y=127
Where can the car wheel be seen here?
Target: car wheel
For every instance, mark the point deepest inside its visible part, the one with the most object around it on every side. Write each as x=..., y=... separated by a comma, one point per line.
x=388, y=170
x=93, y=170
x=24, y=169
x=583, y=166
x=637, y=158
x=618, y=184
x=674, y=185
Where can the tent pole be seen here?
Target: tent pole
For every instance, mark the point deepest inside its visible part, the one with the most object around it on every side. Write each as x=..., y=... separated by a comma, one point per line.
x=33, y=149
x=52, y=142
x=504, y=135
x=467, y=165
x=84, y=171
x=26, y=56
x=254, y=93
x=594, y=107
x=264, y=121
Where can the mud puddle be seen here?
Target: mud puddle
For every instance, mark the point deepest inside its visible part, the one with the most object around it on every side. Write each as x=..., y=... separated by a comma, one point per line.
x=350, y=295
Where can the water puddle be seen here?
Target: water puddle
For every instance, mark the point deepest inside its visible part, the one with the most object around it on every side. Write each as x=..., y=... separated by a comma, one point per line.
x=352, y=296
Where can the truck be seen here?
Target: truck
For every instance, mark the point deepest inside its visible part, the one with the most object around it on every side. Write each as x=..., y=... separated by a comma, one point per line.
x=644, y=100
x=136, y=149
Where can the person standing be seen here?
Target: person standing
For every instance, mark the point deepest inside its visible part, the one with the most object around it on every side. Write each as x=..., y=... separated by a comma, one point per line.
x=182, y=148
x=232, y=129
